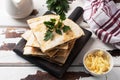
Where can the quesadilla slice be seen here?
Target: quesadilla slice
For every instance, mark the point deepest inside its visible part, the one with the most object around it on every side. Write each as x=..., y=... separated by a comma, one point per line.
x=62, y=55
x=32, y=41
x=62, y=46
x=34, y=51
x=26, y=35
x=39, y=29
x=28, y=50
x=32, y=46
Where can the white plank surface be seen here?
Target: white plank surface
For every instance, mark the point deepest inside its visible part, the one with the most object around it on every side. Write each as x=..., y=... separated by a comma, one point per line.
x=38, y=4
x=17, y=73
x=13, y=67
x=5, y=17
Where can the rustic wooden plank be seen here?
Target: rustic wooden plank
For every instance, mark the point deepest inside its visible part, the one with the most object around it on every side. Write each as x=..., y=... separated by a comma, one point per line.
x=17, y=73
x=113, y=75
x=12, y=67
x=8, y=56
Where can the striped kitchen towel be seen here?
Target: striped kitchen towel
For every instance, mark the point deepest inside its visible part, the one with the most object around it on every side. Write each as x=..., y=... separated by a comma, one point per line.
x=103, y=18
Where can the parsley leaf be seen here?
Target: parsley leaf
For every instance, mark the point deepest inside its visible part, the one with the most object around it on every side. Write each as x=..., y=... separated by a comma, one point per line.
x=58, y=31
x=49, y=24
x=66, y=28
x=48, y=35
x=60, y=7
x=53, y=20
x=52, y=26
x=62, y=16
x=59, y=25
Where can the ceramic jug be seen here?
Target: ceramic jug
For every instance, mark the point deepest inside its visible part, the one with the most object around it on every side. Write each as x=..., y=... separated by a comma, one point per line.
x=19, y=8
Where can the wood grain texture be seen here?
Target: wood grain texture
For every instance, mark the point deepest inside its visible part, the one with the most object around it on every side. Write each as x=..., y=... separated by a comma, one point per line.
x=46, y=76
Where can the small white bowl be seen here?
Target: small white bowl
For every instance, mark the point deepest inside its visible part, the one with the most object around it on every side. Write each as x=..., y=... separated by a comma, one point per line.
x=106, y=54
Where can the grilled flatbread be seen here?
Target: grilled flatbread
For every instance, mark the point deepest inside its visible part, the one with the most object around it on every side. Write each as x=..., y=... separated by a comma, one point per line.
x=56, y=50
x=26, y=35
x=55, y=55
x=32, y=44
x=39, y=29
x=32, y=41
x=28, y=50
x=62, y=46
x=62, y=55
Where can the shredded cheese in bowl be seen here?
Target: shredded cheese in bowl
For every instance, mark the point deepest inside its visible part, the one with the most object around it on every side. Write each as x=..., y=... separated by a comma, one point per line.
x=97, y=62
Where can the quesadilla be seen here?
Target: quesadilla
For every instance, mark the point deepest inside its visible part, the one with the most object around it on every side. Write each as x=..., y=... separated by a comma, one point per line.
x=50, y=38
x=62, y=55
x=39, y=29
x=28, y=50
x=32, y=41
x=32, y=44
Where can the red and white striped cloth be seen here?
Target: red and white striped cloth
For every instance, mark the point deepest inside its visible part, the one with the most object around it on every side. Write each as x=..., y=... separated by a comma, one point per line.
x=103, y=18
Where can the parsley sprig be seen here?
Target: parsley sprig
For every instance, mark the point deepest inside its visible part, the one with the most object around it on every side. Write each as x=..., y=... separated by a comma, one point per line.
x=60, y=7
x=54, y=26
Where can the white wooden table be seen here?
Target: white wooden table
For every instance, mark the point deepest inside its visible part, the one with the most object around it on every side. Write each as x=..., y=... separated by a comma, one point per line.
x=13, y=67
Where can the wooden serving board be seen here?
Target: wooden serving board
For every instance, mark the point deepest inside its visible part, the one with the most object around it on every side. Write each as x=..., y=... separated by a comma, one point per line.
x=52, y=68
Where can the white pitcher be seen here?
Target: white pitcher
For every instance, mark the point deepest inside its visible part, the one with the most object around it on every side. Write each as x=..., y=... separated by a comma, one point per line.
x=19, y=8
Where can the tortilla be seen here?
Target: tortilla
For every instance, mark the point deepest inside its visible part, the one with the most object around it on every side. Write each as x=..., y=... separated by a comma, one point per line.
x=39, y=29
x=62, y=55
x=28, y=50
x=32, y=41
x=32, y=44
x=55, y=55
x=56, y=50
x=62, y=46
x=26, y=35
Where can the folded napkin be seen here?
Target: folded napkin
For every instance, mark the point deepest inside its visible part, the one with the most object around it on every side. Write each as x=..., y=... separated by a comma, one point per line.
x=103, y=18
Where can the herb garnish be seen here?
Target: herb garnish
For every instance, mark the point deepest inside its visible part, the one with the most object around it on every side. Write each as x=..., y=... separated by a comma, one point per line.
x=54, y=26
x=48, y=35
x=60, y=7
x=65, y=28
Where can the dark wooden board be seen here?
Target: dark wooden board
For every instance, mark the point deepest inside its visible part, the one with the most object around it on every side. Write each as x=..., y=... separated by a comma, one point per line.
x=52, y=68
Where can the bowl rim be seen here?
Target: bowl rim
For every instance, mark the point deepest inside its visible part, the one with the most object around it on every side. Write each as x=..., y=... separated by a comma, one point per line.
x=106, y=52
